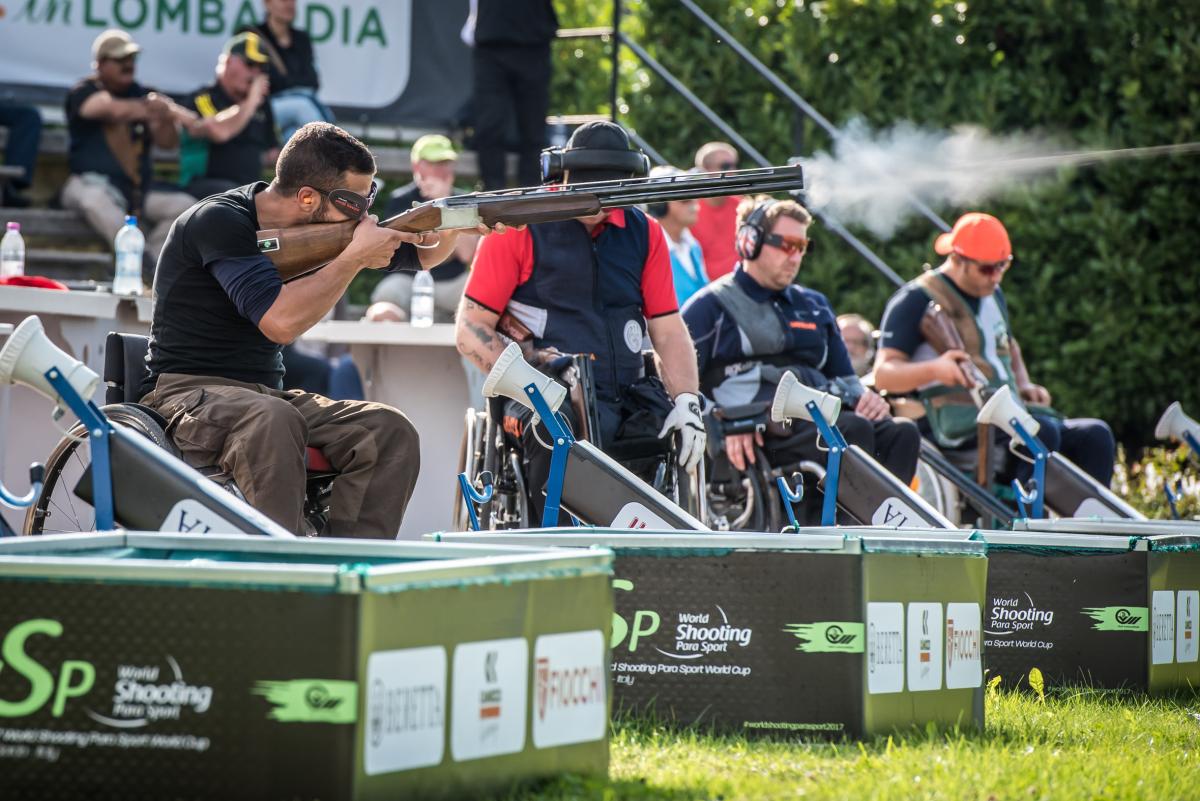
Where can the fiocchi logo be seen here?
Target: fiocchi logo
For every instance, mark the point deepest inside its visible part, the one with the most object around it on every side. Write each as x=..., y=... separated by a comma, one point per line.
x=75, y=677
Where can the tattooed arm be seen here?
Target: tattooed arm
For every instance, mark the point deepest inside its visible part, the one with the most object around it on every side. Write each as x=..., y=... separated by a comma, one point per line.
x=476, y=335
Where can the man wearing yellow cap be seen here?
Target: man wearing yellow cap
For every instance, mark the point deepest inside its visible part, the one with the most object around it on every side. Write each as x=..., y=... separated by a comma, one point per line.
x=967, y=287
x=233, y=137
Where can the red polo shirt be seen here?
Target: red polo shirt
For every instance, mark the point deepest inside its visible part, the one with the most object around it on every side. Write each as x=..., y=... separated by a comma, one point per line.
x=715, y=230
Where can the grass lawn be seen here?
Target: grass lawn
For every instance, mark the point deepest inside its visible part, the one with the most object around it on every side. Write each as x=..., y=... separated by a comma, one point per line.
x=1076, y=744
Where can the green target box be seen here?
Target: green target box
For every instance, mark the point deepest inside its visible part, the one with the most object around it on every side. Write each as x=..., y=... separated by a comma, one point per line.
x=156, y=666
x=820, y=633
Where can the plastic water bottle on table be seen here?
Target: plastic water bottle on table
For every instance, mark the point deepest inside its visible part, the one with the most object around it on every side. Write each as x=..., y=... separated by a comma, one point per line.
x=12, y=252
x=421, y=315
x=128, y=245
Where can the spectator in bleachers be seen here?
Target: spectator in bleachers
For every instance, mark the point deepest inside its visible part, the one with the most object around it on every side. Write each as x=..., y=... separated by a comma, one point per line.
x=687, y=260
x=512, y=78
x=233, y=137
x=716, y=224
x=433, y=158
x=24, y=125
x=113, y=122
x=292, y=69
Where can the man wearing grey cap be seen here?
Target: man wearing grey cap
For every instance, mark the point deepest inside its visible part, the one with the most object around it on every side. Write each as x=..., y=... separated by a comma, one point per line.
x=113, y=122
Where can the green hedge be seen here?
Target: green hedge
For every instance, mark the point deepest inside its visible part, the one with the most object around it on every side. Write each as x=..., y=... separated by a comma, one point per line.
x=1104, y=294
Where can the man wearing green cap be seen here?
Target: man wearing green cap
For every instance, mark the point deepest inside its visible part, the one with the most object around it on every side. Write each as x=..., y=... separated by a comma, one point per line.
x=233, y=137
x=433, y=159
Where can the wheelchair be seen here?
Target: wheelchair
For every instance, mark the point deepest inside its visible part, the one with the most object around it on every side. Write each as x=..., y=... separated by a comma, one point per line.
x=491, y=456
x=59, y=509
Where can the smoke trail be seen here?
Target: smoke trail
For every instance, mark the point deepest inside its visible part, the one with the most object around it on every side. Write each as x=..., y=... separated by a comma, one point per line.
x=872, y=178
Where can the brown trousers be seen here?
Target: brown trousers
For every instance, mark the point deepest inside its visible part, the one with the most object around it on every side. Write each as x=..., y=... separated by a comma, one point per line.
x=258, y=435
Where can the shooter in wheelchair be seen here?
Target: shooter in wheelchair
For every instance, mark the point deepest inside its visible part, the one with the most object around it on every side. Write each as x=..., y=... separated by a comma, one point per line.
x=751, y=328
x=582, y=297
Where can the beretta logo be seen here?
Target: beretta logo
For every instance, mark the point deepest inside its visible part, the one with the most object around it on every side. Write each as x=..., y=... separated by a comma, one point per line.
x=1162, y=632
x=885, y=647
x=570, y=689
x=406, y=709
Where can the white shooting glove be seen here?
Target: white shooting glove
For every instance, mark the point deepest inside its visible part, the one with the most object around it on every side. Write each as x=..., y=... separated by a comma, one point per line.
x=685, y=418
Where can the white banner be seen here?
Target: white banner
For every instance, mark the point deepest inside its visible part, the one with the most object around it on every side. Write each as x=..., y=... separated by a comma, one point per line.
x=363, y=47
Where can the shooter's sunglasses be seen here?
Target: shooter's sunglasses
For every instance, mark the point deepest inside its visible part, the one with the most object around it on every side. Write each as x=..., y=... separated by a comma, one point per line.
x=788, y=244
x=993, y=267
x=350, y=204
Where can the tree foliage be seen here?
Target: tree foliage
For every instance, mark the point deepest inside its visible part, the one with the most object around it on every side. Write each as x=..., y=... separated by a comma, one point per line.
x=1104, y=293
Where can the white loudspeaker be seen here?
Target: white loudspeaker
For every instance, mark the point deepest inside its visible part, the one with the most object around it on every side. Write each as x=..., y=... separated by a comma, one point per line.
x=29, y=353
x=511, y=374
x=1003, y=407
x=791, y=398
x=1174, y=423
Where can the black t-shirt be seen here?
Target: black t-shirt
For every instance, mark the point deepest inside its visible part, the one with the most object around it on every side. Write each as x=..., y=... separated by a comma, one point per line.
x=402, y=200
x=515, y=22
x=298, y=61
x=240, y=159
x=89, y=150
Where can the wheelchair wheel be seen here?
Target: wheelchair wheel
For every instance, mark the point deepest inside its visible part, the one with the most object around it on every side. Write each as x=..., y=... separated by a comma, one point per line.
x=57, y=509
x=742, y=501
x=469, y=463
x=939, y=491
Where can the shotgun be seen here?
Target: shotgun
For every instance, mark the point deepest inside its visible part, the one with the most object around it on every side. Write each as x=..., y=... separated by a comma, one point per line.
x=302, y=249
x=940, y=333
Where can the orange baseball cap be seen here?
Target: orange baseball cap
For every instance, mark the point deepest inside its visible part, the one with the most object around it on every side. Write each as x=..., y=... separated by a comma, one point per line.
x=977, y=236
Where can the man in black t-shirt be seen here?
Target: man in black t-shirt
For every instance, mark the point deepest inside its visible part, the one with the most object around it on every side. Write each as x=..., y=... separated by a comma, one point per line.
x=113, y=121
x=222, y=314
x=234, y=135
x=433, y=159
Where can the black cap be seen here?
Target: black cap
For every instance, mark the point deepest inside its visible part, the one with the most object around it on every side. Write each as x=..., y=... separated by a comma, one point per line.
x=598, y=135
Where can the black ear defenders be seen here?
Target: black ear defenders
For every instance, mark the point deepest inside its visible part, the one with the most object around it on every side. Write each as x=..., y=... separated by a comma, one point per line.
x=657, y=210
x=557, y=160
x=750, y=234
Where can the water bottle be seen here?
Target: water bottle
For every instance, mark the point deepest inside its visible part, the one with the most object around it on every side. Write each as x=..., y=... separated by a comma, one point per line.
x=12, y=252
x=129, y=245
x=421, y=315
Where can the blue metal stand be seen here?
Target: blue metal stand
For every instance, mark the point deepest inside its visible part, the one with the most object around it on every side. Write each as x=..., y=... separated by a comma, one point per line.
x=471, y=497
x=36, y=471
x=1035, y=499
x=558, y=458
x=98, y=428
x=833, y=466
x=1192, y=443
x=790, y=497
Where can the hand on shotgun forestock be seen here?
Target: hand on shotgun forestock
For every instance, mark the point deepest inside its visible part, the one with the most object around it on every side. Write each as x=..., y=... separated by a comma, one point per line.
x=949, y=370
x=685, y=418
x=372, y=246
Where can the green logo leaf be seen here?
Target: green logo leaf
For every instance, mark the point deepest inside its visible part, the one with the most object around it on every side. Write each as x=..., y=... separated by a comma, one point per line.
x=1118, y=618
x=840, y=637
x=310, y=700
x=268, y=245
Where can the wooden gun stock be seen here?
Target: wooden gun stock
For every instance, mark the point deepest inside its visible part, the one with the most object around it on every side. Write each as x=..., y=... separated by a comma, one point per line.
x=939, y=331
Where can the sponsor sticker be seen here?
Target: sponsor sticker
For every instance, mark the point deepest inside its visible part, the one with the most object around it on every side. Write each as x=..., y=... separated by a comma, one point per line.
x=268, y=245
x=635, y=516
x=489, y=694
x=633, y=336
x=1162, y=627
x=964, y=667
x=570, y=701
x=1119, y=618
x=837, y=637
x=895, y=513
x=406, y=710
x=924, y=647
x=192, y=517
x=310, y=700
x=885, y=647
x=1186, y=614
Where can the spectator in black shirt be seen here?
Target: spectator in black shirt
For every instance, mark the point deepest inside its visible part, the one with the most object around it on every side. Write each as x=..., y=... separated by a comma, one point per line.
x=433, y=158
x=292, y=69
x=24, y=124
x=234, y=135
x=222, y=314
x=512, y=78
x=113, y=121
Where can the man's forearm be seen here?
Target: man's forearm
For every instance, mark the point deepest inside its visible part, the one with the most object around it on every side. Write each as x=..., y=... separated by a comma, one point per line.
x=227, y=124
x=476, y=335
x=433, y=256
x=1020, y=373
x=302, y=303
x=677, y=364
x=899, y=377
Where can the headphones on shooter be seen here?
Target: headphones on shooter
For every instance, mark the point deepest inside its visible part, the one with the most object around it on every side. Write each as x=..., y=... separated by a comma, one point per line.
x=752, y=231
x=579, y=157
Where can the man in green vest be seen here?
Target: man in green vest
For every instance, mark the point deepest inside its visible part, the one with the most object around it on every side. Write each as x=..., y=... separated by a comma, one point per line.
x=967, y=287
